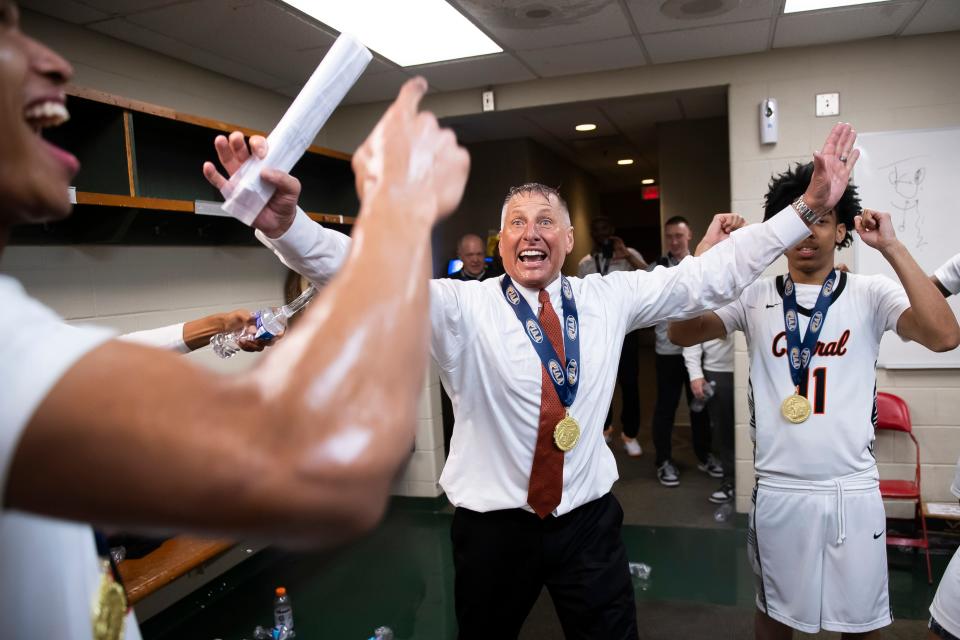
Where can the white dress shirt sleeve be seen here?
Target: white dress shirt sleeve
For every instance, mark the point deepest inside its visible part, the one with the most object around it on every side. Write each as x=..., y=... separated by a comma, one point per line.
x=949, y=274
x=446, y=320
x=167, y=338
x=713, y=279
x=309, y=249
x=693, y=359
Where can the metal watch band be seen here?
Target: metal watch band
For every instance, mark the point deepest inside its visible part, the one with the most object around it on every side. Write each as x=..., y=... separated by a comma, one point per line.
x=806, y=213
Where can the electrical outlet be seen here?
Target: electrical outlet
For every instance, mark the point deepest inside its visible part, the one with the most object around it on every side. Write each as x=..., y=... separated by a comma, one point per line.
x=488, y=101
x=828, y=104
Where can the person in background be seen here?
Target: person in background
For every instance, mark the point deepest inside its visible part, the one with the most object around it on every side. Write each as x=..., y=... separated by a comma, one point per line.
x=303, y=448
x=610, y=255
x=672, y=378
x=711, y=364
x=471, y=252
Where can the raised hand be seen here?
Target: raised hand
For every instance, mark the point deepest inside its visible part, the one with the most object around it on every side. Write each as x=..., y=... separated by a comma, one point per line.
x=875, y=229
x=722, y=225
x=278, y=214
x=409, y=158
x=619, y=249
x=831, y=168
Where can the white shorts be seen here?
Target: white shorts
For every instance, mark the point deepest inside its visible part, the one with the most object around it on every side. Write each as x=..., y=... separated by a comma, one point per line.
x=945, y=608
x=819, y=553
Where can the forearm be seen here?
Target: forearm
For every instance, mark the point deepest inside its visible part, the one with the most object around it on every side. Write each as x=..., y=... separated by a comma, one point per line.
x=310, y=249
x=197, y=333
x=695, y=331
x=934, y=319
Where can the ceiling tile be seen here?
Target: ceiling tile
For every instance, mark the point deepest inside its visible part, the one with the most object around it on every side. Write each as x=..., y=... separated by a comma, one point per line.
x=263, y=35
x=126, y=7
x=649, y=19
x=67, y=10
x=569, y=21
x=121, y=29
x=467, y=73
x=841, y=25
x=642, y=111
x=496, y=125
x=934, y=17
x=708, y=42
x=559, y=121
x=602, y=55
x=710, y=103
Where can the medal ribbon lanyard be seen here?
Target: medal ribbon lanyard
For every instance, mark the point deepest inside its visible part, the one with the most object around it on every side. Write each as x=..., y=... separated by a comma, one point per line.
x=800, y=352
x=566, y=378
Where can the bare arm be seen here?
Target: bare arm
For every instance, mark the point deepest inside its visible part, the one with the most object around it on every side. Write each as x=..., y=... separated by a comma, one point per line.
x=706, y=326
x=929, y=320
x=306, y=445
x=195, y=334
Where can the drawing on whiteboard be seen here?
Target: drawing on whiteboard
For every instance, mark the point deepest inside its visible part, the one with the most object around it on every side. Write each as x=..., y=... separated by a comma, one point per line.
x=906, y=177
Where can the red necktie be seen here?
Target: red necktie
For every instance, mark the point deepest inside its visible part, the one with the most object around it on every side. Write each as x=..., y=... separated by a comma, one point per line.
x=546, y=475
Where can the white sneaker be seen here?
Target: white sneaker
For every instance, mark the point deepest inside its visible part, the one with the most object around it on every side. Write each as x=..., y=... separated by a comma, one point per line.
x=634, y=450
x=711, y=467
x=668, y=475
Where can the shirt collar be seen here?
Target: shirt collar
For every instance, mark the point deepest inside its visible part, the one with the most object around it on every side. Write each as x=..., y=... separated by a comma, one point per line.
x=532, y=296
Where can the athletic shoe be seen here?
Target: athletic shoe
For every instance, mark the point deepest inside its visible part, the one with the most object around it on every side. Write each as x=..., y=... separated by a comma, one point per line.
x=634, y=450
x=711, y=467
x=608, y=435
x=722, y=495
x=668, y=475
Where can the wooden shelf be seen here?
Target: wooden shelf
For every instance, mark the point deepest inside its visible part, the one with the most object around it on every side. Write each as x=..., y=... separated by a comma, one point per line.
x=172, y=559
x=143, y=157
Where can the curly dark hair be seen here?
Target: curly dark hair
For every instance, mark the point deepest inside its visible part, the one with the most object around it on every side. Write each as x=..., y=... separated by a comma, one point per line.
x=790, y=185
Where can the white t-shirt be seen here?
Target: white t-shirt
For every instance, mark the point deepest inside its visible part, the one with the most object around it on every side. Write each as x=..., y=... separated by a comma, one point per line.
x=48, y=568
x=949, y=274
x=837, y=439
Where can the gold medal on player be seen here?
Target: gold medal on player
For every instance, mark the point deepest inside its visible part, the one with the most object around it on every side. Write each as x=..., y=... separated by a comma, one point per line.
x=566, y=434
x=110, y=608
x=796, y=408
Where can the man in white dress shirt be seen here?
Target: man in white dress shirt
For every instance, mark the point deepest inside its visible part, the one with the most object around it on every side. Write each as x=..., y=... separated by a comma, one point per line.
x=523, y=521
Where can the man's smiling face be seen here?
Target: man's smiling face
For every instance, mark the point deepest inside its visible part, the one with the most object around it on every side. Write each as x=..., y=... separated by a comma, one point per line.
x=535, y=239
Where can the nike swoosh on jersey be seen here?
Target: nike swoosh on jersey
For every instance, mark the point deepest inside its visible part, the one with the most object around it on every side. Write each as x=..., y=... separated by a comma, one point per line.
x=877, y=535
x=771, y=306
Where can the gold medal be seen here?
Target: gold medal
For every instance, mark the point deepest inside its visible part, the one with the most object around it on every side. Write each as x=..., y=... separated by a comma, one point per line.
x=795, y=408
x=566, y=433
x=110, y=608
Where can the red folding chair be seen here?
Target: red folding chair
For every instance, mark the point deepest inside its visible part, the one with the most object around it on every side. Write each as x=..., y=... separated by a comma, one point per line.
x=893, y=415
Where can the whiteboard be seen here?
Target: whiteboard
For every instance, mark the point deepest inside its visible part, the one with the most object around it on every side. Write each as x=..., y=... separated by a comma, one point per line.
x=915, y=177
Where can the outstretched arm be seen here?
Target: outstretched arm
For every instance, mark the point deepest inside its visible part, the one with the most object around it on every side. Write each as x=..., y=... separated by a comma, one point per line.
x=195, y=334
x=929, y=320
x=306, y=445
x=687, y=333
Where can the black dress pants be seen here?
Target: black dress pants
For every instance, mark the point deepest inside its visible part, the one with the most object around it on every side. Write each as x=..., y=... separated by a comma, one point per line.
x=628, y=378
x=672, y=379
x=503, y=559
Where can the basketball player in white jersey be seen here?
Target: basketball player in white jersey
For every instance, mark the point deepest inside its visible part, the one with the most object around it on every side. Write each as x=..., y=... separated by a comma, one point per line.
x=817, y=538
x=945, y=608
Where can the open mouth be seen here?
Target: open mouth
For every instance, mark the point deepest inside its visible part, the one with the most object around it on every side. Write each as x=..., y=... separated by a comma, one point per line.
x=806, y=252
x=46, y=114
x=532, y=256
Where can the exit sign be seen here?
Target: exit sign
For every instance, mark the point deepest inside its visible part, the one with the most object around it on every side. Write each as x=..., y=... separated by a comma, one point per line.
x=650, y=193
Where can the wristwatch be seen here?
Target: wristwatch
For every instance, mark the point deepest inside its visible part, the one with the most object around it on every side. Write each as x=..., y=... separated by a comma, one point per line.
x=807, y=214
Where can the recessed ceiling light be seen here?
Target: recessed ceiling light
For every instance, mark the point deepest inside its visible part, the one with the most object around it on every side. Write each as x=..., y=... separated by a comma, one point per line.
x=585, y=127
x=435, y=31
x=625, y=161
x=647, y=181
x=795, y=6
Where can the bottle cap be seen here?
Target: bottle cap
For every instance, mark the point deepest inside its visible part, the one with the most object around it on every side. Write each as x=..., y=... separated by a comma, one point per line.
x=281, y=591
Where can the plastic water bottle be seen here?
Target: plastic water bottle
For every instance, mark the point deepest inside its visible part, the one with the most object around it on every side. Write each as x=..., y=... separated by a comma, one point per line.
x=641, y=574
x=269, y=324
x=723, y=512
x=282, y=613
x=382, y=633
x=697, y=404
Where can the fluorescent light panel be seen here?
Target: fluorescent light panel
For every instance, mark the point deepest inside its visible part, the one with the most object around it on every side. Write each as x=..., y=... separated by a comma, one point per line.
x=409, y=33
x=795, y=6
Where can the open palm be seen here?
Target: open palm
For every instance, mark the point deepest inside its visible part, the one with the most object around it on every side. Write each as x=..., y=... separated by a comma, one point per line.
x=832, y=166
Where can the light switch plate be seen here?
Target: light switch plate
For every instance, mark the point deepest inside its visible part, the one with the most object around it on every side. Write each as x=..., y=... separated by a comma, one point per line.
x=828, y=104
x=488, y=101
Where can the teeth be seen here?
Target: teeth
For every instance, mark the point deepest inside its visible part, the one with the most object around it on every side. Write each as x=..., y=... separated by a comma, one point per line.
x=531, y=254
x=47, y=114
